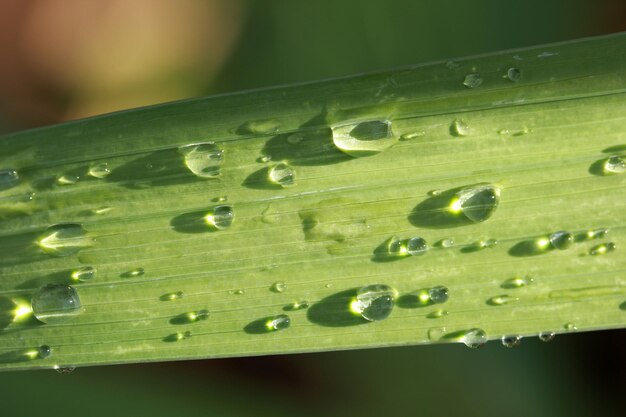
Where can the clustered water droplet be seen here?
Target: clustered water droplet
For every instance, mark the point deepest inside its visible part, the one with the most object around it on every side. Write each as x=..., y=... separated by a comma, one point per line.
x=414, y=246
x=374, y=302
x=363, y=138
x=596, y=234
x=499, y=300
x=203, y=159
x=56, y=303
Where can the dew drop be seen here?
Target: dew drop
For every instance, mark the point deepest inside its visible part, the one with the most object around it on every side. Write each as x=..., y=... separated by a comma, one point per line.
x=220, y=199
x=460, y=128
x=261, y=127
x=68, y=179
x=278, y=286
x=374, y=302
x=300, y=305
x=602, y=249
x=415, y=246
x=434, y=193
x=363, y=138
x=477, y=203
x=501, y=300
x=472, y=80
x=102, y=210
x=263, y=159
x=84, y=274
x=445, y=243
x=280, y=322
x=237, y=292
x=561, y=240
x=514, y=74
x=511, y=341
x=596, y=234
x=132, y=273
x=282, y=174
x=178, y=336
x=614, y=165
x=44, y=351
x=191, y=317
x=546, y=336
x=438, y=294
x=474, y=338
x=517, y=282
x=570, y=327
x=437, y=314
x=64, y=239
x=220, y=217
x=9, y=178
x=203, y=159
x=65, y=370
x=177, y=295
x=99, y=170
x=412, y=135
x=56, y=303
x=436, y=333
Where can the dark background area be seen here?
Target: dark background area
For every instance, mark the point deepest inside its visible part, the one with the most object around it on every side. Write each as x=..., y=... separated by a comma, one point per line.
x=68, y=59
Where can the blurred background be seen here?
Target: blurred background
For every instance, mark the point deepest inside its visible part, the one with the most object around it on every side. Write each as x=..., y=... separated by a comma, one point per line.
x=68, y=59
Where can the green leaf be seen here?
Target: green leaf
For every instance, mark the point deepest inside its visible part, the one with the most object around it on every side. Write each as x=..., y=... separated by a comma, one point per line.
x=257, y=239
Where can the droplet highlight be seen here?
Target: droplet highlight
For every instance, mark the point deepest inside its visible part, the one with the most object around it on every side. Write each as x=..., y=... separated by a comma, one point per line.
x=203, y=159
x=56, y=303
x=363, y=138
x=374, y=302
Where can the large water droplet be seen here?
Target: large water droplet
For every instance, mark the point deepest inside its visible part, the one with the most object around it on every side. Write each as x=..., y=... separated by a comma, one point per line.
x=477, y=203
x=9, y=178
x=64, y=239
x=561, y=240
x=474, y=338
x=220, y=217
x=614, y=165
x=460, y=128
x=602, y=248
x=511, y=341
x=363, y=138
x=44, y=351
x=546, y=336
x=99, y=170
x=282, y=174
x=56, y=303
x=514, y=74
x=280, y=322
x=374, y=302
x=84, y=274
x=203, y=159
x=472, y=80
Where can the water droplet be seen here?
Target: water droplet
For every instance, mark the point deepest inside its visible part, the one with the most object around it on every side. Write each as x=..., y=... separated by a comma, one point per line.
x=363, y=138
x=203, y=159
x=561, y=240
x=472, y=80
x=178, y=336
x=413, y=135
x=374, y=302
x=517, y=282
x=280, y=322
x=614, y=165
x=190, y=317
x=278, y=286
x=477, y=203
x=514, y=74
x=84, y=274
x=602, y=248
x=445, y=243
x=570, y=327
x=56, y=303
x=596, y=234
x=9, y=178
x=460, y=128
x=434, y=193
x=261, y=127
x=65, y=370
x=102, y=210
x=99, y=170
x=438, y=294
x=220, y=217
x=295, y=138
x=511, y=341
x=263, y=159
x=64, y=239
x=68, y=179
x=501, y=300
x=437, y=314
x=436, y=333
x=172, y=296
x=546, y=336
x=282, y=174
x=44, y=351
x=237, y=292
x=300, y=305
x=414, y=246
x=135, y=272
x=220, y=199
x=474, y=338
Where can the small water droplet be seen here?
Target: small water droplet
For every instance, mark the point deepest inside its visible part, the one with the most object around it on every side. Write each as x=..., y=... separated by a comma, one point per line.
x=263, y=159
x=415, y=246
x=412, y=135
x=177, y=295
x=220, y=217
x=68, y=179
x=102, y=210
x=295, y=138
x=436, y=333
x=614, y=165
x=282, y=174
x=178, y=336
x=517, y=282
x=363, y=138
x=490, y=243
x=596, y=234
x=472, y=80
x=44, y=351
x=474, y=338
x=191, y=317
x=135, y=272
x=438, y=294
x=328, y=285
x=602, y=248
x=278, y=286
x=84, y=274
x=64, y=239
x=99, y=170
x=546, y=336
x=477, y=203
x=374, y=302
x=561, y=240
x=460, y=128
x=203, y=159
x=300, y=305
x=261, y=127
x=56, y=303
x=451, y=65
x=514, y=74
x=237, y=292
x=511, y=341
x=445, y=243
x=65, y=370
x=220, y=199
x=9, y=178
x=499, y=300
x=437, y=314
x=280, y=322
x=434, y=193
x=570, y=327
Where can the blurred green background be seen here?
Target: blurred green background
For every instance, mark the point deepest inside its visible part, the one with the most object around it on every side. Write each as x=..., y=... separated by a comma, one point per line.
x=65, y=59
